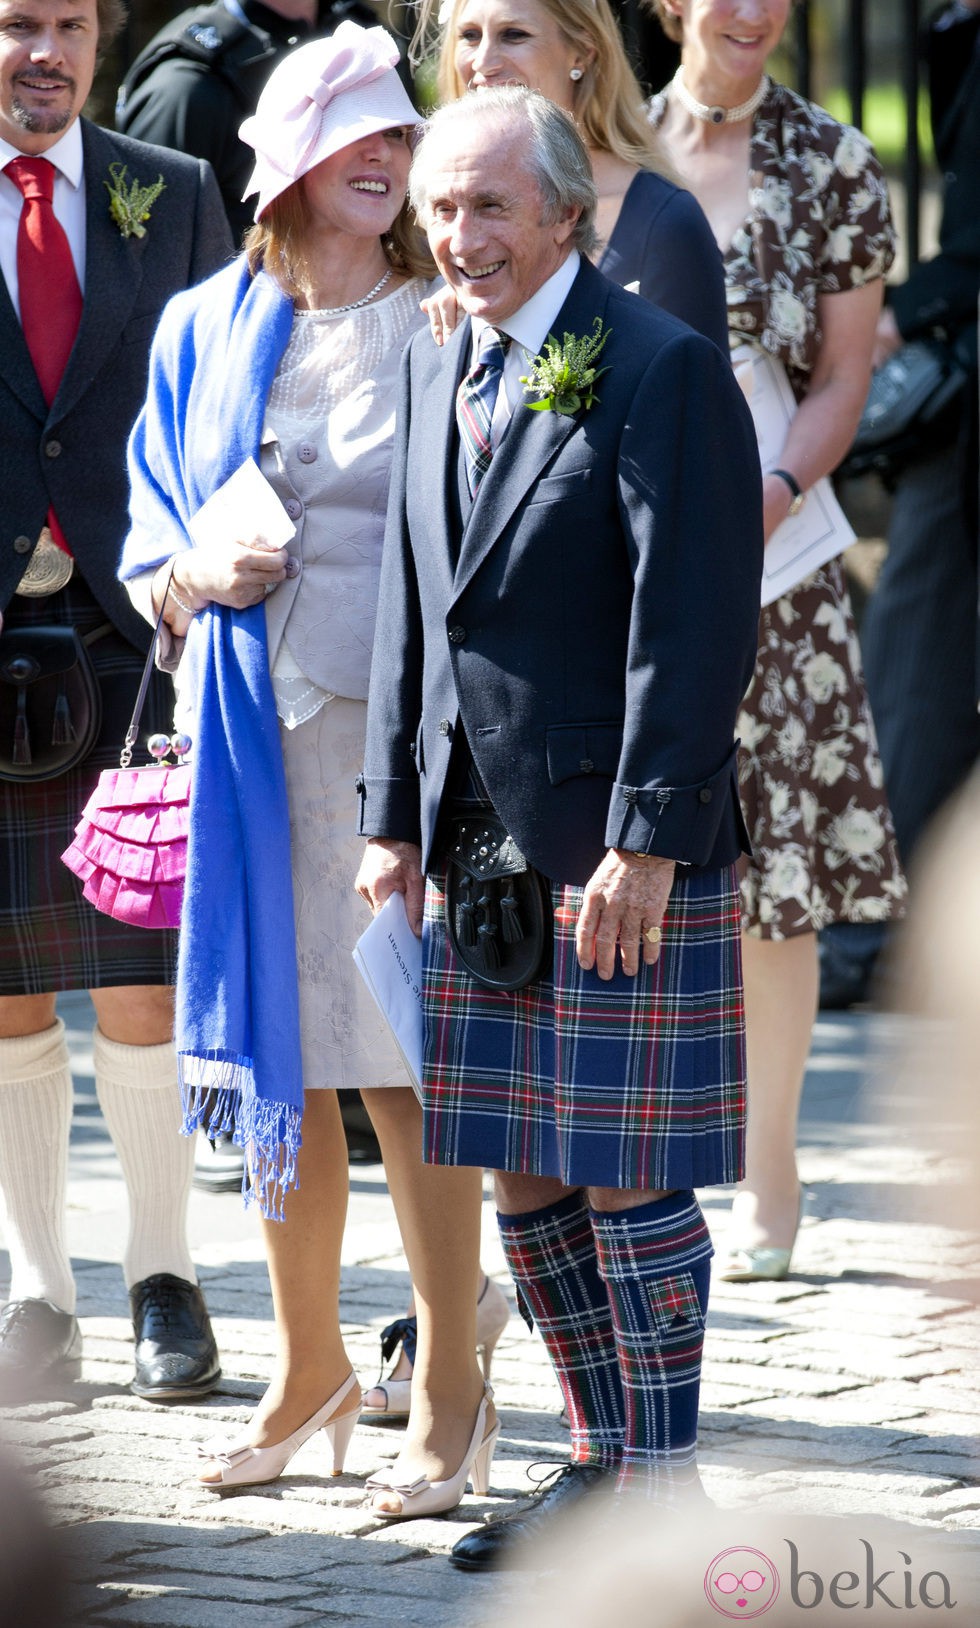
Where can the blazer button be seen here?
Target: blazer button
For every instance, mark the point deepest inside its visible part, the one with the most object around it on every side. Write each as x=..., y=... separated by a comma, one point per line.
x=457, y=634
x=293, y=566
x=22, y=545
x=704, y=795
x=307, y=453
x=52, y=449
x=445, y=727
x=293, y=507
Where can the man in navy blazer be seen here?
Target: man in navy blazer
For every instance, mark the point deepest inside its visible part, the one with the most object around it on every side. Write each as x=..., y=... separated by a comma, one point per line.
x=63, y=474
x=567, y=623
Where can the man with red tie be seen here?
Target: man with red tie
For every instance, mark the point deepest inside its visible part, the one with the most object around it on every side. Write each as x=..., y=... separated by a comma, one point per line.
x=87, y=265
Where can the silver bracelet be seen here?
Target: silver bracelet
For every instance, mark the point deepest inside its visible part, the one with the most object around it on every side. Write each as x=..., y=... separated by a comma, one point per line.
x=175, y=596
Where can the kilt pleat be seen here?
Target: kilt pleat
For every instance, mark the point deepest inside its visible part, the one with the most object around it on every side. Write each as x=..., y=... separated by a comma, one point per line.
x=632, y=1083
x=51, y=938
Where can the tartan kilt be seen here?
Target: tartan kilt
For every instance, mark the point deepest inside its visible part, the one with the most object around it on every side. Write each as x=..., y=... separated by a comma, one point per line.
x=631, y=1083
x=51, y=938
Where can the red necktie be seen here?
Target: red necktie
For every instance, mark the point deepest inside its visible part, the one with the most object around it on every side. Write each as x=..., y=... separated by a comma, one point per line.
x=50, y=298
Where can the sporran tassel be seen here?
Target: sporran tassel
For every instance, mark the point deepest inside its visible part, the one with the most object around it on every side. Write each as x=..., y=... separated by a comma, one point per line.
x=487, y=945
x=466, y=925
x=22, y=735
x=62, y=727
x=511, y=926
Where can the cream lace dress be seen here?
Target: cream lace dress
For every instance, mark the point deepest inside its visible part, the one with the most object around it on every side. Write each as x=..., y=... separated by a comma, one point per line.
x=326, y=448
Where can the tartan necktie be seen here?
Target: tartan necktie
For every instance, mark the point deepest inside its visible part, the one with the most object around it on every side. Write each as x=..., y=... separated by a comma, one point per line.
x=475, y=401
x=50, y=298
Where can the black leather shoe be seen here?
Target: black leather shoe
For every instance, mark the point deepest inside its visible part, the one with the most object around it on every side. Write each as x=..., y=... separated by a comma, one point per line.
x=507, y=1544
x=39, y=1346
x=176, y=1357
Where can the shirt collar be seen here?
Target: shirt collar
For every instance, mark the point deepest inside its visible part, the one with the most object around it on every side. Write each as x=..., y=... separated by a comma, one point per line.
x=65, y=155
x=532, y=322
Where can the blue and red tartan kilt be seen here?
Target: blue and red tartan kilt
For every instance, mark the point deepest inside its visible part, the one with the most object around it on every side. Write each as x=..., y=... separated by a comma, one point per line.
x=635, y=1082
x=51, y=938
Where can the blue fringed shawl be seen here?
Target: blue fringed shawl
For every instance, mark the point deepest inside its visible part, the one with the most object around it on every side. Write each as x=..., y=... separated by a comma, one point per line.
x=237, y=1026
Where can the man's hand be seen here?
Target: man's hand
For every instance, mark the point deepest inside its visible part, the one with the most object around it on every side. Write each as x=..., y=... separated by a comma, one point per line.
x=624, y=900
x=393, y=867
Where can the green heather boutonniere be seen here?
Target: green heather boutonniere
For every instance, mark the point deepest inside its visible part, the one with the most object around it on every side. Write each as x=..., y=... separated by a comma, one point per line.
x=130, y=205
x=564, y=377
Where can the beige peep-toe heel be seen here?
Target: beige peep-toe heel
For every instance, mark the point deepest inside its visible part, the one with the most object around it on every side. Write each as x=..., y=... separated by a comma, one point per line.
x=425, y=1497
x=243, y=1465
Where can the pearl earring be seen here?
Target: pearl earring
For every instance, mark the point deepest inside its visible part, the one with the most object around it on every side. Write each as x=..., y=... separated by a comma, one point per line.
x=575, y=73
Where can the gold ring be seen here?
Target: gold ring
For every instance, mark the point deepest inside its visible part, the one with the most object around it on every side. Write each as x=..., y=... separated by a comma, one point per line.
x=652, y=935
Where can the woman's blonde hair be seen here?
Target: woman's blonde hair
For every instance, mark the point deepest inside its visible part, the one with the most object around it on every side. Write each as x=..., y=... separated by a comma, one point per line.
x=607, y=102
x=279, y=243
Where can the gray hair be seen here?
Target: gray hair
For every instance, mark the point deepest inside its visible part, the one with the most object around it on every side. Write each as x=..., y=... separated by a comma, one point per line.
x=555, y=154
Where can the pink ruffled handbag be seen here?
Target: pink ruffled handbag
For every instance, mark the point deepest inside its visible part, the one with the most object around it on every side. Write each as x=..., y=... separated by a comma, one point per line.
x=130, y=846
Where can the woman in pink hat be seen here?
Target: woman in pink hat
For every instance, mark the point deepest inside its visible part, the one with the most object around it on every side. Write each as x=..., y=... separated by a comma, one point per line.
x=289, y=357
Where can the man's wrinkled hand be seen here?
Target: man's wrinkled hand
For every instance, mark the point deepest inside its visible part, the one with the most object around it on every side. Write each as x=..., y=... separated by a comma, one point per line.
x=622, y=909
x=393, y=867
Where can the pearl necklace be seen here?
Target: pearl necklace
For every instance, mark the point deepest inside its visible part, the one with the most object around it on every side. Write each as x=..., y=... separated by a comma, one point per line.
x=718, y=115
x=355, y=305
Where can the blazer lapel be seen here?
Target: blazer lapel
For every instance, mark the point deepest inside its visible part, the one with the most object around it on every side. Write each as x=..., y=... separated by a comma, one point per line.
x=113, y=274
x=439, y=447
x=15, y=359
x=532, y=440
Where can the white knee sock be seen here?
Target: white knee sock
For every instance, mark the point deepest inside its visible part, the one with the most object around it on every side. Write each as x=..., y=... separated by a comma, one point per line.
x=35, y=1123
x=138, y=1095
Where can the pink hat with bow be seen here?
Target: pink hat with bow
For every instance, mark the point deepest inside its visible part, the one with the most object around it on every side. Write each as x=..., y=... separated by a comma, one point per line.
x=322, y=97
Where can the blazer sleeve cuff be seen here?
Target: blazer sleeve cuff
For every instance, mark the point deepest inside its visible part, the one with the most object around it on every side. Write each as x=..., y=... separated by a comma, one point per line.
x=389, y=808
x=675, y=822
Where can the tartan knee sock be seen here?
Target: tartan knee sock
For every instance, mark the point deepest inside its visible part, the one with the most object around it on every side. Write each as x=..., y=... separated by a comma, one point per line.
x=655, y=1264
x=552, y=1258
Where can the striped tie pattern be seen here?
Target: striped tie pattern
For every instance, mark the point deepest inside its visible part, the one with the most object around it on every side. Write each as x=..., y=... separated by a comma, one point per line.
x=475, y=401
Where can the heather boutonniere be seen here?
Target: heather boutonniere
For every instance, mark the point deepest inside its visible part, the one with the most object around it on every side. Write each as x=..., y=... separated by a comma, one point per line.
x=130, y=204
x=564, y=376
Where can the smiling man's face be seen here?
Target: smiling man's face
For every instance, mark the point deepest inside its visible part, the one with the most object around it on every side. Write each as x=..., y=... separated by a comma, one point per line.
x=484, y=217
x=48, y=52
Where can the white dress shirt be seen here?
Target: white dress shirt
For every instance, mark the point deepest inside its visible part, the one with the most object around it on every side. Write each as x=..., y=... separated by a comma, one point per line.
x=69, y=205
x=529, y=327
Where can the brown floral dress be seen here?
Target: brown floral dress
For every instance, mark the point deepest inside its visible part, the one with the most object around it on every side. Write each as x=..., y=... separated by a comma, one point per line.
x=810, y=777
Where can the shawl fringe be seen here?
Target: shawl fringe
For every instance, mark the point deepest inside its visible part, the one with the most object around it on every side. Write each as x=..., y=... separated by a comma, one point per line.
x=218, y=1095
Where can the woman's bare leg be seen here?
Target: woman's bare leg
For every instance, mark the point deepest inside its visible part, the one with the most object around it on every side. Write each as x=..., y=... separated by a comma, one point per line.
x=781, y=991
x=303, y=1254
x=439, y=1210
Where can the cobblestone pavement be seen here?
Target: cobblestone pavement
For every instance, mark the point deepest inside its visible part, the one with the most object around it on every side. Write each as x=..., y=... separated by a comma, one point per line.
x=849, y=1389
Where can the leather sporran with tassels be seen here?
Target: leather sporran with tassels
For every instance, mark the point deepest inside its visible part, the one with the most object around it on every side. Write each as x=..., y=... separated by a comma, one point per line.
x=498, y=907
x=50, y=702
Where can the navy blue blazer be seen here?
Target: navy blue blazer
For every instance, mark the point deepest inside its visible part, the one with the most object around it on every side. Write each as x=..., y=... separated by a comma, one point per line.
x=662, y=242
x=598, y=630
x=73, y=453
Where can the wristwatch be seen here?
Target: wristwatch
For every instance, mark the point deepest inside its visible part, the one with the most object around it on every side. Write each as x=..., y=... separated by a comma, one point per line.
x=799, y=496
